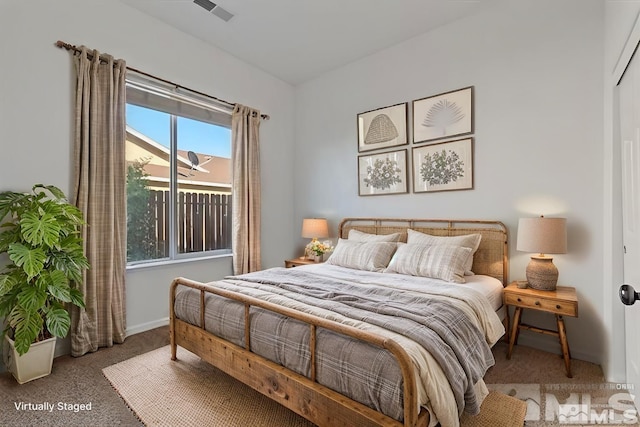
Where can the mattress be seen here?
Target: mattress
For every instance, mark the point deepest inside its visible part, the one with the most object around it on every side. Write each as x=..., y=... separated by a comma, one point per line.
x=285, y=341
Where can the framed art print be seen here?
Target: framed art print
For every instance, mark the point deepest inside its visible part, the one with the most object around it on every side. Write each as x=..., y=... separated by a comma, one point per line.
x=384, y=173
x=382, y=128
x=443, y=166
x=442, y=116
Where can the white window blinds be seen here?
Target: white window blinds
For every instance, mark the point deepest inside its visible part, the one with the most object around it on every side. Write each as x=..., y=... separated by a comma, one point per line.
x=147, y=92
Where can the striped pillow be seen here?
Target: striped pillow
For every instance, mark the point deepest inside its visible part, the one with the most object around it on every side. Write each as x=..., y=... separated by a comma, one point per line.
x=471, y=241
x=438, y=262
x=360, y=236
x=369, y=256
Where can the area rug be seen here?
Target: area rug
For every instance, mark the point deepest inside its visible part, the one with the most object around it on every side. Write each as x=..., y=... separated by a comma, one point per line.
x=497, y=410
x=190, y=392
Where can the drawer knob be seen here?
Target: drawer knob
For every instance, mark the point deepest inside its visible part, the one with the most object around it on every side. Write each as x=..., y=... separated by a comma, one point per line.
x=519, y=300
x=558, y=306
x=537, y=302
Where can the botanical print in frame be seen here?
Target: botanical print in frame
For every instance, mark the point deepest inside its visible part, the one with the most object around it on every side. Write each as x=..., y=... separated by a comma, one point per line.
x=382, y=128
x=443, y=166
x=384, y=173
x=443, y=116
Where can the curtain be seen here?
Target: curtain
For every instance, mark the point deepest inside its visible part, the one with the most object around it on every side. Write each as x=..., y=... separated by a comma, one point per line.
x=99, y=189
x=245, y=129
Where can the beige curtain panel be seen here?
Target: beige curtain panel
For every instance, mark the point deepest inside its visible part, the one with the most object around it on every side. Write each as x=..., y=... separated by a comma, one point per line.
x=99, y=179
x=245, y=130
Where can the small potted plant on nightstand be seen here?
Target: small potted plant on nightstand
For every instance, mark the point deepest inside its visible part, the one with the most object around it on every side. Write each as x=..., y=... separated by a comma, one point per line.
x=317, y=249
x=41, y=236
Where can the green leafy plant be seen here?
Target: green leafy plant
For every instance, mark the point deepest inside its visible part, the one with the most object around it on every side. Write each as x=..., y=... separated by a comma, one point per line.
x=41, y=236
x=141, y=243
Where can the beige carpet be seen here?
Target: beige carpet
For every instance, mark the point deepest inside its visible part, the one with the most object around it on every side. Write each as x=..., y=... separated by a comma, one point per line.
x=191, y=392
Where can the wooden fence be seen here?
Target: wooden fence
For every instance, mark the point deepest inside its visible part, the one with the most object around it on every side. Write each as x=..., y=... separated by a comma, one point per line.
x=203, y=221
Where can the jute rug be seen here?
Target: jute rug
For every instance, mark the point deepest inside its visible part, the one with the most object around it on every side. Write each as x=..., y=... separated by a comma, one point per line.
x=190, y=392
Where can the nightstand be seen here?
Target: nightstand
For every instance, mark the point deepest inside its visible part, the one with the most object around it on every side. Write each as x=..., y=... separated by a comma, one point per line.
x=297, y=262
x=561, y=302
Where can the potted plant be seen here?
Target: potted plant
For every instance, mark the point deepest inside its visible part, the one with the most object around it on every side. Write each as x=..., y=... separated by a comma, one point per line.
x=41, y=236
x=316, y=249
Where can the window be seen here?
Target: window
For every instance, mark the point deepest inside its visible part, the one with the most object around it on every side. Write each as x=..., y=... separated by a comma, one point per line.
x=178, y=173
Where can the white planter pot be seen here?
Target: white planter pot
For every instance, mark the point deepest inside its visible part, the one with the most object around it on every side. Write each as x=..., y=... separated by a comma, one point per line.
x=35, y=363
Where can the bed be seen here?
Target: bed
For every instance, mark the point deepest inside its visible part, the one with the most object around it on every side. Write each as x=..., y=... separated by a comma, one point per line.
x=308, y=339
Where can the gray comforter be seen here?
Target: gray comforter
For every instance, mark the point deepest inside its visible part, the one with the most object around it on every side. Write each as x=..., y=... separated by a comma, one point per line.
x=451, y=338
x=439, y=323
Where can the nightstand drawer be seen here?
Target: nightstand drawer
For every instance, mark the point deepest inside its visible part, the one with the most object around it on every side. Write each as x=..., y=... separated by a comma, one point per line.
x=552, y=305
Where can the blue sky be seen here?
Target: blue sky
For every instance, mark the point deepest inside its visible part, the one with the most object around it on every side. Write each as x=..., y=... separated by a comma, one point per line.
x=192, y=135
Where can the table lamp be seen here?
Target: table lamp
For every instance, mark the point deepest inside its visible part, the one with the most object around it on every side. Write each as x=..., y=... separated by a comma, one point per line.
x=312, y=228
x=544, y=236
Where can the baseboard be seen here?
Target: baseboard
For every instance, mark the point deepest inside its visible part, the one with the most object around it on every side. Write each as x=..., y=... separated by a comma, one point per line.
x=147, y=326
x=63, y=346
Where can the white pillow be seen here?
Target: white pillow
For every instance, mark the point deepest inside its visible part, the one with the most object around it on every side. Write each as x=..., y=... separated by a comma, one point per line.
x=369, y=256
x=438, y=262
x=359, y=236
x=471, y=241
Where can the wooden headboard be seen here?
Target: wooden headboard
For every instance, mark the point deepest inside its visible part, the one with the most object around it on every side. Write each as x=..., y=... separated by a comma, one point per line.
x=491, y=259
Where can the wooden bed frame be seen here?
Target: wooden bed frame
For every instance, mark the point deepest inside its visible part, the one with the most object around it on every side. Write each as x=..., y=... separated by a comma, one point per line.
x=302, y=394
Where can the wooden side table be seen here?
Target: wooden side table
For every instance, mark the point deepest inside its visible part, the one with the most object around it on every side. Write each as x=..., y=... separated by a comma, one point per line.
x=561, y=302
x=297, y=262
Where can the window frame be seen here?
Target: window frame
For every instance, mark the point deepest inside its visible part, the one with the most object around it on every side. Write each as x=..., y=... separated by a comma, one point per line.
x=220, y=115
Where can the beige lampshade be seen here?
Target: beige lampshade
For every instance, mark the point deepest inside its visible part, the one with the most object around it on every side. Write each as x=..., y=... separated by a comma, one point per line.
x=315, y=227
x=542, y=235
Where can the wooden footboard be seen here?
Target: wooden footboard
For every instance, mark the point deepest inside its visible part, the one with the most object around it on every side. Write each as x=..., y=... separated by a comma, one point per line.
x=301, y=394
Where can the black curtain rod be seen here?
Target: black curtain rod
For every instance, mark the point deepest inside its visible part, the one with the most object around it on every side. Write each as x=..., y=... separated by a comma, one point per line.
x=68, y=46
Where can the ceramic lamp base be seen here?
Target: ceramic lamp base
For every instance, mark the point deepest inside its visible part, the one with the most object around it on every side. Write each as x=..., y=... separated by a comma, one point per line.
x=542, y=274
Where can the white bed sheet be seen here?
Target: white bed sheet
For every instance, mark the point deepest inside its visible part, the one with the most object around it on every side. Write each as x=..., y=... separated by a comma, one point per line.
x=489, y=286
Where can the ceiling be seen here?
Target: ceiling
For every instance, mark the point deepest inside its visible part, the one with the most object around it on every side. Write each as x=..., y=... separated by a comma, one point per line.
x=298, y=40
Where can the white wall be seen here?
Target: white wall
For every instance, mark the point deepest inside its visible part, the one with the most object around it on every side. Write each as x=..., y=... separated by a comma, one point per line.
x=36, y=104
x=536, y=66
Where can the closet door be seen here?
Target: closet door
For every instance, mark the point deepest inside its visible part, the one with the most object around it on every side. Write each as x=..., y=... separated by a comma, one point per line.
x=629, y=99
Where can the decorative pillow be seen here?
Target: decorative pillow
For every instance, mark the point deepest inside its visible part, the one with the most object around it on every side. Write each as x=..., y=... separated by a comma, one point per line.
x=471, y=241
x=438, y=262
x=359, y=236
x=370, y=256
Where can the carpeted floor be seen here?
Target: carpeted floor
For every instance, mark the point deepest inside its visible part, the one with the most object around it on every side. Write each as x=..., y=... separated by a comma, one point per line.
x=80, y=380
x=538, y=378
x=77, y=381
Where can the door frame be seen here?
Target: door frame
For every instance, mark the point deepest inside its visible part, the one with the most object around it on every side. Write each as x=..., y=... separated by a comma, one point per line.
x=627, y=52
x=614, y=365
